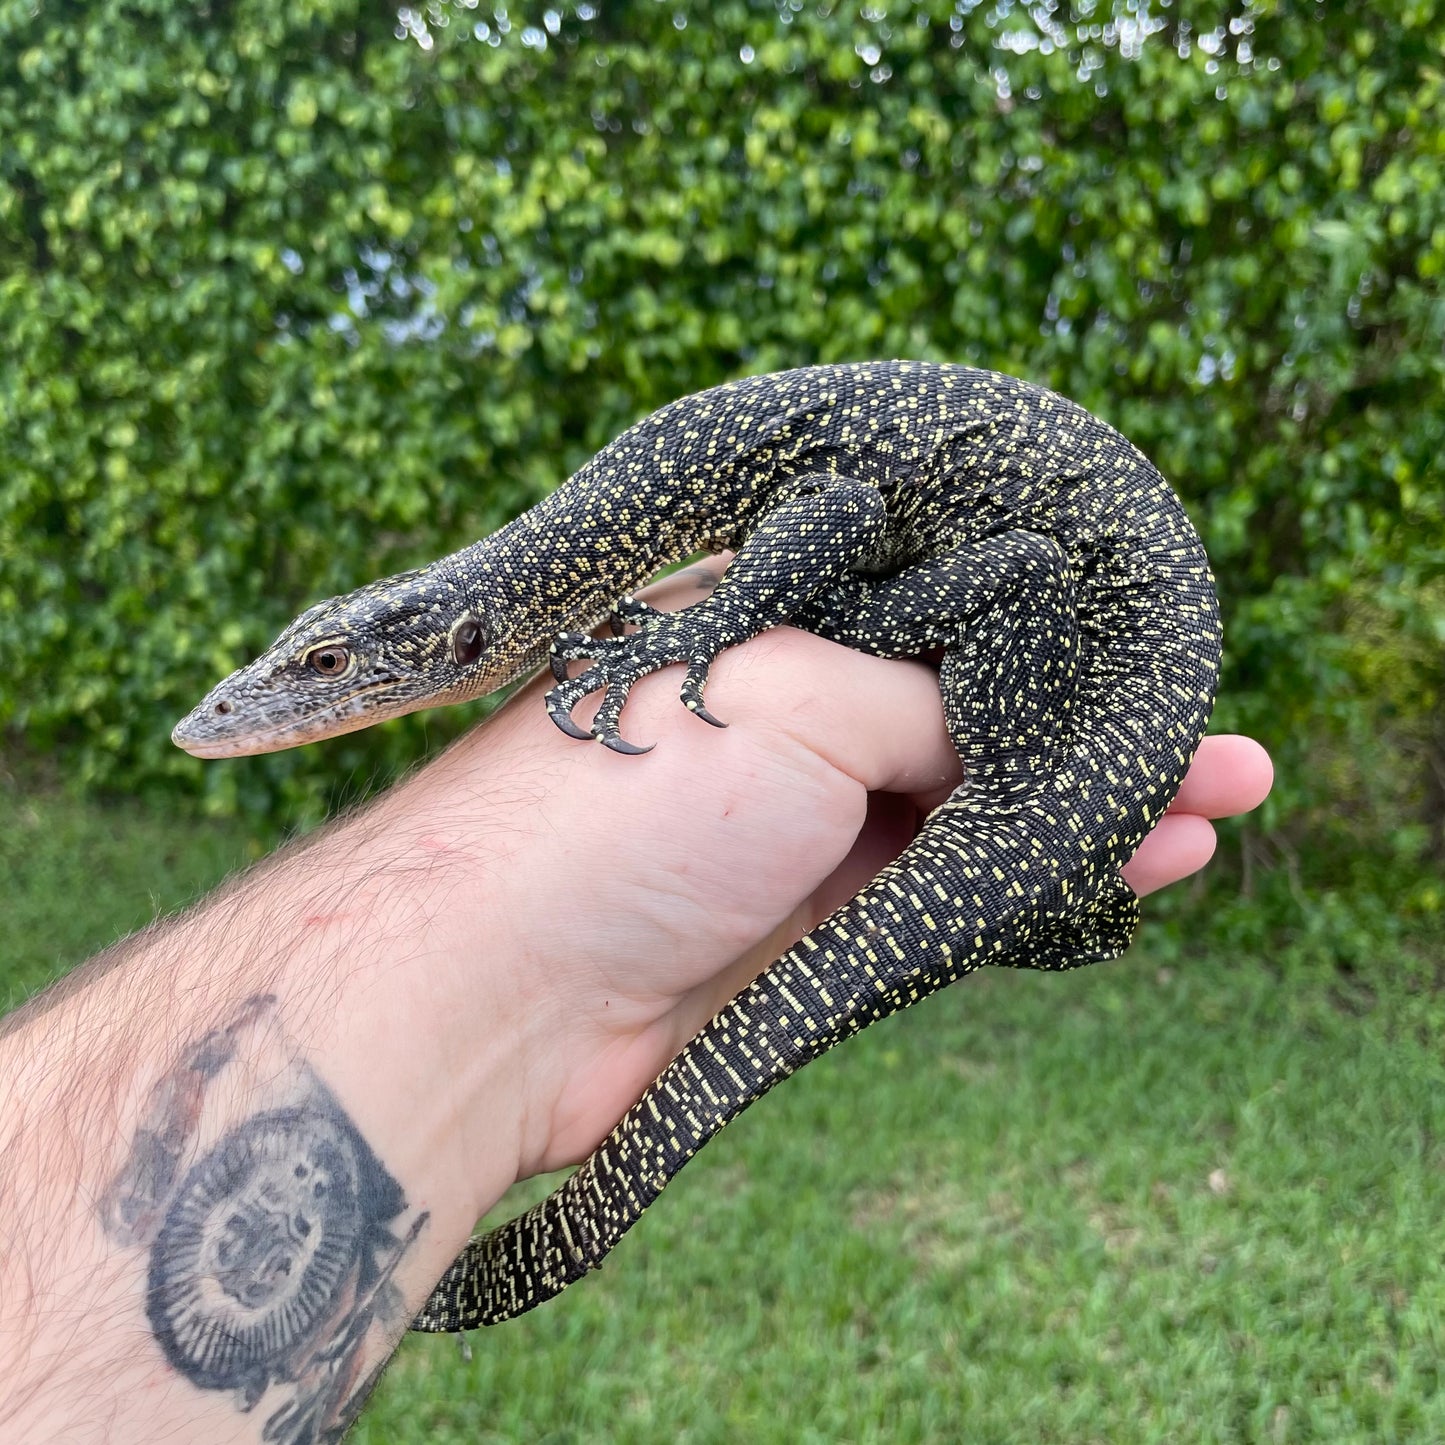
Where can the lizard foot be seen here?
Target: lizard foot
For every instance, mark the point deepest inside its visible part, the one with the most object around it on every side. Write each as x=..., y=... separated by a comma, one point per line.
x=618, y=663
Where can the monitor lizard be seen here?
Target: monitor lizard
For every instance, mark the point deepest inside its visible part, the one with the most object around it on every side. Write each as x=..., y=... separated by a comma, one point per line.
x=898, y=507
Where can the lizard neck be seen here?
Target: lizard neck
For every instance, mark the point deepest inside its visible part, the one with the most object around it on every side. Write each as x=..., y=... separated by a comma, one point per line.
x=567, y=560
x=559, y=567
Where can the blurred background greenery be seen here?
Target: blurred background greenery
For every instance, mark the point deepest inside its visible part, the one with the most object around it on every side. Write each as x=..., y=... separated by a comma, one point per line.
x=297, y=292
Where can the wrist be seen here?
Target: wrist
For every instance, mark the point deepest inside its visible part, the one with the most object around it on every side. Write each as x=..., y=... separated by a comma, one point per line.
x=430, y=1039
x=494, y=930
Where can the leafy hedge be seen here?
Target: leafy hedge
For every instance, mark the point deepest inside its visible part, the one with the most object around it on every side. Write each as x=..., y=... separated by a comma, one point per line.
x=293, y=292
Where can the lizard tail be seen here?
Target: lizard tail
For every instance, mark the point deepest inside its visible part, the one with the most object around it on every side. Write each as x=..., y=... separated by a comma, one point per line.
x=899, y=940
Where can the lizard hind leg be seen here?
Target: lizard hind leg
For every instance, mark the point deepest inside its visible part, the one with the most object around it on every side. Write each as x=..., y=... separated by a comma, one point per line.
x=1024, y=702
x=1009, y=681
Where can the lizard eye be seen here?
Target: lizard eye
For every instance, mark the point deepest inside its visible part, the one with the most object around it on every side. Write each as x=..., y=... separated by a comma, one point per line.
x=330, y=661
x=466, y=640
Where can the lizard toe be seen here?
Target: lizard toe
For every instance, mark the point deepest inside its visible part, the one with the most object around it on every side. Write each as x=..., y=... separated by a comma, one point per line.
x=579, y=647
x=692, y=690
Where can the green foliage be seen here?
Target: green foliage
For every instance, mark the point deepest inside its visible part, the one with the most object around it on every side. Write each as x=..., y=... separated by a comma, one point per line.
x=1153, y=1201
x=79, y=877
x=288, y=299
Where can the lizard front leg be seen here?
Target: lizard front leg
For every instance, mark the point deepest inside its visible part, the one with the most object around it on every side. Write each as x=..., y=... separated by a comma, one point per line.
x=808, y=539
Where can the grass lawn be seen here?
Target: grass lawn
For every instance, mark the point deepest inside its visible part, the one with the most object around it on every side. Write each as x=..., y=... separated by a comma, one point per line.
x=1189, y=1196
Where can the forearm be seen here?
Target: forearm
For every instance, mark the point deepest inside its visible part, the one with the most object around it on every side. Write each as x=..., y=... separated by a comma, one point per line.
x=467, y=982
x=237, y=1150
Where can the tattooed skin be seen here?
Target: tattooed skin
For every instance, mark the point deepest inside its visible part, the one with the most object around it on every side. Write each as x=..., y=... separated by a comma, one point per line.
x=271, y=1240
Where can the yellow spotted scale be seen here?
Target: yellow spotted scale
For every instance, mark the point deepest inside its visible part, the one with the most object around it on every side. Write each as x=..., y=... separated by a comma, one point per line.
x=897, y=507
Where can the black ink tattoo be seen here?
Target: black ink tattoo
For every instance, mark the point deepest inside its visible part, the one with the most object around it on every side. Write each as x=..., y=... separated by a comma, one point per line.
x=129, y=1208
x=271, y=1242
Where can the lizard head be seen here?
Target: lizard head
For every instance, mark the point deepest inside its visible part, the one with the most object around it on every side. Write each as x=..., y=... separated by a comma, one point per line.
x=414, y=640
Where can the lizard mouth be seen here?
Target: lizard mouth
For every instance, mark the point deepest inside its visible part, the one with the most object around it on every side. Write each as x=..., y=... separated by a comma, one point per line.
x=251, y=743
x=219, y=729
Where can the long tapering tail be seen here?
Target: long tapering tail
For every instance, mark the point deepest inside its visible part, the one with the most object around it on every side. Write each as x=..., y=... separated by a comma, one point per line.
x=889, y=947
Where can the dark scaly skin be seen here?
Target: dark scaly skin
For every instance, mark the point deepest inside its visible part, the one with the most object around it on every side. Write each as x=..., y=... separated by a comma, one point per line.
x=896, y=507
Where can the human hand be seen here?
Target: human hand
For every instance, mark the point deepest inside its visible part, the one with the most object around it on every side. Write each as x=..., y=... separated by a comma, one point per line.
x=641, y=894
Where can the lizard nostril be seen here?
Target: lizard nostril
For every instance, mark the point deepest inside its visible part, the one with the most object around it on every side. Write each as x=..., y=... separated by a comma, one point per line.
x=223, y=707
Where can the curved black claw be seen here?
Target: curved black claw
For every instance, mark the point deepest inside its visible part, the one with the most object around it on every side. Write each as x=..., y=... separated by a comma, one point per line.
x=563, y=719
x=705, y=715
x=692, y=690
x=621, y=745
